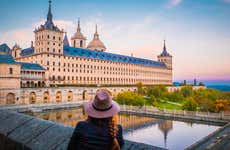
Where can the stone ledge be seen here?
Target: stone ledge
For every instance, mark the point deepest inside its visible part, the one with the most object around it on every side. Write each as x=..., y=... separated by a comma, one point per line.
x=23, y=132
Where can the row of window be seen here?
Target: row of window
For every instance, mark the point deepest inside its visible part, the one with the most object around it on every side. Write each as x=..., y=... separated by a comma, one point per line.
x=105, y=79
x=41, y=43
x=41, y=37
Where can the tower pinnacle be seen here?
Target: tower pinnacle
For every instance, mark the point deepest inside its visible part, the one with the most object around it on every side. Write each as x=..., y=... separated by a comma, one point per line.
x=96, y=35
x=49, y=15
x=78, y=25
x=164, y=48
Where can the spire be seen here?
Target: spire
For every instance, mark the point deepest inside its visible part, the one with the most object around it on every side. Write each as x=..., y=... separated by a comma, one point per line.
x=164, y=52
x=96, y=35
x=96, y=29
x=49, y=15
x=49, y=22
x=66, y=41
x=78, y=25
x=164, y=48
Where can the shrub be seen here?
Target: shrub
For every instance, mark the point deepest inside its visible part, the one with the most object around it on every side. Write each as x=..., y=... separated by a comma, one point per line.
x=190, y=104
x=221, y=105
x=130, y=98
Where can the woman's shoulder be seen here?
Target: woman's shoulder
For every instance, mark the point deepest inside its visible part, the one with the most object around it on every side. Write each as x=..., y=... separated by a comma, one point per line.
x=81, y=124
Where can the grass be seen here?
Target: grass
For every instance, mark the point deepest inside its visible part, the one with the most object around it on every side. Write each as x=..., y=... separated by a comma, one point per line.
x=168, y=106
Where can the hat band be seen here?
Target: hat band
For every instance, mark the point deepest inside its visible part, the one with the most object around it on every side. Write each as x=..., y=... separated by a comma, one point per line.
x=99, y=109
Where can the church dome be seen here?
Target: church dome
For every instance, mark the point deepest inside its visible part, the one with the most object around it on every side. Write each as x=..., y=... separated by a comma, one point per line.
x=96, y=43
x=78, y=34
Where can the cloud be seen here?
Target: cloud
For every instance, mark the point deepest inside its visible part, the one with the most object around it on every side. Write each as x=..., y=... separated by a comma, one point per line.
x=175, y=2
x=21, y=36
x=227, y=1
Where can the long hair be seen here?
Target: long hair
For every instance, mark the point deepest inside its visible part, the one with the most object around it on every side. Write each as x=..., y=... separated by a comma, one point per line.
x=111, y=124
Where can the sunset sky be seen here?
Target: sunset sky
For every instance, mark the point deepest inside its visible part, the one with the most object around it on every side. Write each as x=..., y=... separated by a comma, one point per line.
x=197, y=32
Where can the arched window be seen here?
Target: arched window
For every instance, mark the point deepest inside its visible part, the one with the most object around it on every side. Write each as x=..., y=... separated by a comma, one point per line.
x=74, y=43
x=10, y=98
x=10, y=70
x=81, y=43
x=32, y=98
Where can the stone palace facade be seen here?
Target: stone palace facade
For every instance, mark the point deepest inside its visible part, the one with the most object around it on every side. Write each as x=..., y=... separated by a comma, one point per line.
x=52, y=61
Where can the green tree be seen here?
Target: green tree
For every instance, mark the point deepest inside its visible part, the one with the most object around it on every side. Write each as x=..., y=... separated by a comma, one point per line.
x=175, y=96
x=201, y=84
x=157, y=91
x=190, y=104
x=130, y=98
x=187, y=91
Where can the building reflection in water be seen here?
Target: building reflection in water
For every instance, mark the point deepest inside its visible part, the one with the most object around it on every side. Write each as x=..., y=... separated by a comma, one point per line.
x=165, y=126
x=71, y=117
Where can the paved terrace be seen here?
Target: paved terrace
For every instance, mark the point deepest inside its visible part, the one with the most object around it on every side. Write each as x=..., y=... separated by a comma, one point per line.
x=23, y=132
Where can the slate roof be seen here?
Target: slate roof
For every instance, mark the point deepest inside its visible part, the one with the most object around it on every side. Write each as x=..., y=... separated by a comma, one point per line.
x=80, y=52
x=49, y=22
x=71, y=51
x=27, y=51
x=31, y=66
x=164, y=52
x=8, y=59
x=5, y=48
x=66, y=41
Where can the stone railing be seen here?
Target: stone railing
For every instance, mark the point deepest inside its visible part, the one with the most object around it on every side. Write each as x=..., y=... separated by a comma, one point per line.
x=205, y=116
x=23, y=132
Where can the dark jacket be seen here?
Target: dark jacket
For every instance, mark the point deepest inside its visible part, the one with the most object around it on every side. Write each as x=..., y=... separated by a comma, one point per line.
x=88, y=136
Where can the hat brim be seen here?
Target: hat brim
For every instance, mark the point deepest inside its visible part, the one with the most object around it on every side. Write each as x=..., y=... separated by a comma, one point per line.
x=101, y=114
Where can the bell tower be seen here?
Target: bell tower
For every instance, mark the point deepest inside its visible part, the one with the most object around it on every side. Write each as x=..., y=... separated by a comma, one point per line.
x=48, y=37
x=78, y=39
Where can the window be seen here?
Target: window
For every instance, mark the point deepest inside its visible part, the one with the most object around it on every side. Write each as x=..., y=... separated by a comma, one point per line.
x=48, y=36
x=81, y=43
x=11, y=70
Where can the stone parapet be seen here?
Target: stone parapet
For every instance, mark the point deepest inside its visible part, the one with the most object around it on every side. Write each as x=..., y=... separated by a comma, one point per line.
x=23, y=132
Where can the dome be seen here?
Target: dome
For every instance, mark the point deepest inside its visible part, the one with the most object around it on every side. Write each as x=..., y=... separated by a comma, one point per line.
x=96, y=43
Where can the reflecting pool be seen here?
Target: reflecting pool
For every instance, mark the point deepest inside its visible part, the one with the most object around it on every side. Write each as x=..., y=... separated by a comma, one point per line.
x=169, y=134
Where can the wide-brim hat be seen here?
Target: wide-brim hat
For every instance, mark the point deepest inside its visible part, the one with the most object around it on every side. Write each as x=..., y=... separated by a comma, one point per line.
x=102, y=106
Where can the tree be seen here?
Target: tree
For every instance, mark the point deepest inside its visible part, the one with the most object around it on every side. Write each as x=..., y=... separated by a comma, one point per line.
x=201, y=84
x=187, y=91
x=175, y=96
x=140, y=89
x=157, y=91
x=190, y=104
x=130, y=98
x=221, y=105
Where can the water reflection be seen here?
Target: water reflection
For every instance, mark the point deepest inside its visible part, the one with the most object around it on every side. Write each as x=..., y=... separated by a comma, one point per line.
x=158, y=132
x=166, y=126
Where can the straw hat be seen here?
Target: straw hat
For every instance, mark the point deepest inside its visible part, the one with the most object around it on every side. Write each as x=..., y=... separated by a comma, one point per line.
x=102, y=106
